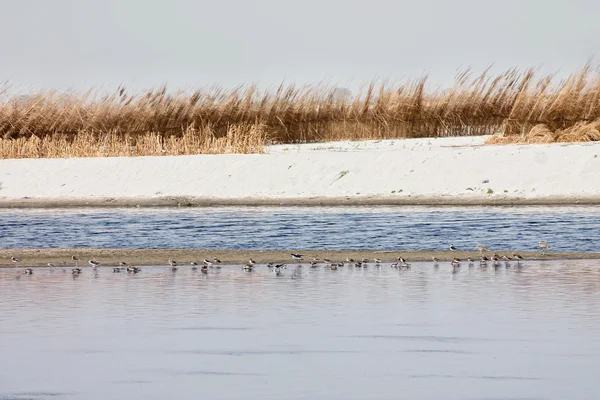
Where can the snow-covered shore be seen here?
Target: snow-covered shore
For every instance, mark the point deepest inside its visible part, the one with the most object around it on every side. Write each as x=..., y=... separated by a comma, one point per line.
x=409, y=171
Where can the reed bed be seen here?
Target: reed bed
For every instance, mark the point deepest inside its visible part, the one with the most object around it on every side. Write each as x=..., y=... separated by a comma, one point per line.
x=517, y=104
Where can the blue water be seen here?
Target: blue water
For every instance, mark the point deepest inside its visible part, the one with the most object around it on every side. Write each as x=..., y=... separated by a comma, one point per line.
x=528, y=332
x=400, y=228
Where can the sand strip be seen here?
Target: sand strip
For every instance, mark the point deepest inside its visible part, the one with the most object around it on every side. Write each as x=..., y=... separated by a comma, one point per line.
x=451, y=171
x=110, y=257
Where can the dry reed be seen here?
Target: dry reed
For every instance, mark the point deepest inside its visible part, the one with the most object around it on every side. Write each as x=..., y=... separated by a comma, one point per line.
x=241, y=139
x=242, y=120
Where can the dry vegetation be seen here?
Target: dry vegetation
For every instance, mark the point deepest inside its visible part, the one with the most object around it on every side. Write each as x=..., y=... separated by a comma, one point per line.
x=522, y=106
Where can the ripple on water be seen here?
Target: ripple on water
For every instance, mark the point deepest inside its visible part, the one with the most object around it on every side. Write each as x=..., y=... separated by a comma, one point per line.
x=346, y=334
x=572, y=228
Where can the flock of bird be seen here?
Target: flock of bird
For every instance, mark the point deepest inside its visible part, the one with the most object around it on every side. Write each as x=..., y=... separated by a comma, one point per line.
x=277, y=268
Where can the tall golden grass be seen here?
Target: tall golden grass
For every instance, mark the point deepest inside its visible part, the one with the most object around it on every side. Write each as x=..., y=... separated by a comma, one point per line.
x=52, y=124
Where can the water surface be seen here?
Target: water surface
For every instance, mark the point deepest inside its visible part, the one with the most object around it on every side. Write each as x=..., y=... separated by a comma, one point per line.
x=426, y=333
x=230, y=228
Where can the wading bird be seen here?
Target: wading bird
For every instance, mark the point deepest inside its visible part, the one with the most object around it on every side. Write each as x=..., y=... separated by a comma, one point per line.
x=544, y=246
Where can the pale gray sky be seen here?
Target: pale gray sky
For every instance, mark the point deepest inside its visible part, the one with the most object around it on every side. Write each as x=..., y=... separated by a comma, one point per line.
x=144, y=43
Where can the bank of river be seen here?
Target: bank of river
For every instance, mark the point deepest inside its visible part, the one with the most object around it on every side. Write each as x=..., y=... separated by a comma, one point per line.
x=112, y=257
x=408, y=171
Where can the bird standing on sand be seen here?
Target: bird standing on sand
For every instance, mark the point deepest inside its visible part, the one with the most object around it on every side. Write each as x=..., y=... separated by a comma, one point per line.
x=173, y=265
x=377, y=261
x=481, y=248
x=297, y=257
x=15, y=260
x=452, y=248
x=76, y=259
x=544, y=246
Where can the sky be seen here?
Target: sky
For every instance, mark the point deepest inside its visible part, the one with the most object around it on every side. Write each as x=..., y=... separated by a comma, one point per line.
x=78, y=44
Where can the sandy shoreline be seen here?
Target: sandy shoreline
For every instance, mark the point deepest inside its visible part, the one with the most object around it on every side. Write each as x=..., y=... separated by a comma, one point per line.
x=110, y=257
x=430, y=171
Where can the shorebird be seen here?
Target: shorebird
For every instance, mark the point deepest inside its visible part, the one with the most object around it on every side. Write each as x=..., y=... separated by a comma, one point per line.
x=204, y=269
x=394, y=265
x=483, y=260
x=194, y=265
x=207, y=263
x=15, y=260
x=405, y=265
x=116, y=269
x=248, y=267
x=93, y=263
x=173, y=265
x=435, y=260
x=314, y=264
x=327, y=260
x=469, y=260
x=544, y=246
x=333, y=267
x=297, y=257
x=358, y=264
x=365, y=260
x=518, y=258
x=277, y=270
x=481, y=248
x=251, y=262
x=76, y=271
x=349, y=260
x=315, y=259
x=401, y=259
x=377, y=261
x=452, y=248
x=455, y=261
x=28, y=271
x=134, y=270
x=216, y=260
x=76, y=259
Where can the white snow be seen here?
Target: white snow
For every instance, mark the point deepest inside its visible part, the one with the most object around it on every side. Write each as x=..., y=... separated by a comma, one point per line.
x=437, y=170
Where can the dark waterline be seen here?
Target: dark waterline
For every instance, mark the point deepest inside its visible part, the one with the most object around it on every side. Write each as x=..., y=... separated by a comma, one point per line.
x=572, y=228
